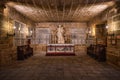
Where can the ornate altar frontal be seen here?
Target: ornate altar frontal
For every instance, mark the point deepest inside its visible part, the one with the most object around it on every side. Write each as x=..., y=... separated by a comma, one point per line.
x=60, y=49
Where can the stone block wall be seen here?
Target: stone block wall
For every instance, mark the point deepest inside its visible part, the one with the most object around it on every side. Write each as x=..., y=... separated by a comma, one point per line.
x=8, y=52
x=113, y=40
x=113, y=55
x=113, y=45
x=39, y=47
x=80, y=50
x=7, y=56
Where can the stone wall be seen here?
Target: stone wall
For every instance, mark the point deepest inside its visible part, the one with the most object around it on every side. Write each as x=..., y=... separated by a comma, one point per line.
x=113, y=43
x=80, y=50
x=21, y=18
x=113, y=49
x=8, y=52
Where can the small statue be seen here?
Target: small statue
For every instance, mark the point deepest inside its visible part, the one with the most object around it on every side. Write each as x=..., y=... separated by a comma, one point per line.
x=60, y=36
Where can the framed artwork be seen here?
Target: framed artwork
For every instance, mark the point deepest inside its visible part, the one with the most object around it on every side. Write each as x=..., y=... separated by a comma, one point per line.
x=118, y=37
x=78, y=36
x=42, y=36
x=118, y=34
x=109, y=37
x=113, y=39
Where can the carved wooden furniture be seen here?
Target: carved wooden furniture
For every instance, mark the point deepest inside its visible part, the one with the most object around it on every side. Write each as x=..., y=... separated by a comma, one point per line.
x=97, y=52
x=24, y=52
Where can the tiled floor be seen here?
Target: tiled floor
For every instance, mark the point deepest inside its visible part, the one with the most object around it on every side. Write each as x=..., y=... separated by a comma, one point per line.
x=59, y=68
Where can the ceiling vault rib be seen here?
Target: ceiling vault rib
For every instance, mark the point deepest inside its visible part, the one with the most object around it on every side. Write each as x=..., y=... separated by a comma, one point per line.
x=60, y=10
x=44, y=9
x=41, y=12
x=51, y=14
x=63, y=12
x=91, y=7
x=57, y=10
x=80, y=12
x=75, y=11
x=34, y=4
x=70, y=11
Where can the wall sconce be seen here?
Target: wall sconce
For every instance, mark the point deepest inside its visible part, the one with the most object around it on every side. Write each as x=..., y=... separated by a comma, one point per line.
x=106, y=27
x=31, y=32
x=13, y=33
x=89, y=32
x=19, y=28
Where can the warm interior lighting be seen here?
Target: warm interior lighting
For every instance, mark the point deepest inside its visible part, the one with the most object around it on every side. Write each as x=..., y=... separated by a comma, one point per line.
x=98, y=8
x=89, y=32
x=106, y=27
x=19, y=28
x=93, y=31
x=31, y=32
x=14, y=27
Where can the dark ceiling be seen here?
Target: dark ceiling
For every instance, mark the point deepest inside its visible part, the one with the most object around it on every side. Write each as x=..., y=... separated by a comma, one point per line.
x=60, y=10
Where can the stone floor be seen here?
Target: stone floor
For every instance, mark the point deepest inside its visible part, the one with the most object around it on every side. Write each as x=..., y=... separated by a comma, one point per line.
x=59, y=68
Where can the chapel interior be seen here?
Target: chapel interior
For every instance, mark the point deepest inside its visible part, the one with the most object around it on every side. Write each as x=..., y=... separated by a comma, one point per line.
x=59, y=39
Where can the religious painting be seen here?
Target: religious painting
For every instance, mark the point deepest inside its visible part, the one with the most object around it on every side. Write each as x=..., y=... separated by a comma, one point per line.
x=42, y=35
x=78, y=36
x=110, y=36
x=113, y=42
x=112, y=39
x=116, y=25
x=118, y=36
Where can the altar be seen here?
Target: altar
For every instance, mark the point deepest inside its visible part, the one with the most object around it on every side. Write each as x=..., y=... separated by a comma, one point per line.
x=60, y=49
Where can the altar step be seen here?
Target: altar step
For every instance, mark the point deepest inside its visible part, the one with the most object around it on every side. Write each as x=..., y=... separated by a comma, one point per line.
x=60, y=54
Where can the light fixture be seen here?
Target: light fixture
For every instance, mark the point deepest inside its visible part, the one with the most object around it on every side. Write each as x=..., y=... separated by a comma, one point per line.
x=31, y=31
x=19, y=28
x=106, y=27
x=89, y=32
x=11, y=34
x=14, y=27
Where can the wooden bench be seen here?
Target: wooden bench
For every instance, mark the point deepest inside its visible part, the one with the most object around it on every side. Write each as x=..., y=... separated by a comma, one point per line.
x=97, y=52
x=23, y=52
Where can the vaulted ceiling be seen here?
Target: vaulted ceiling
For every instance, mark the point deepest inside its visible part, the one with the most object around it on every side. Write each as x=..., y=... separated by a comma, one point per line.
x=60, y=10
